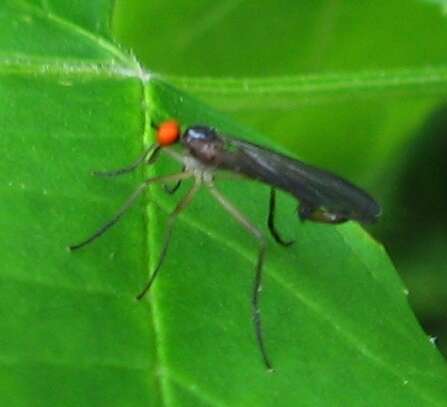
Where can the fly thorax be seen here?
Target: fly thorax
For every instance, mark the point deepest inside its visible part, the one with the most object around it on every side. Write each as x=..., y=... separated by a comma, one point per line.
x=204, y=144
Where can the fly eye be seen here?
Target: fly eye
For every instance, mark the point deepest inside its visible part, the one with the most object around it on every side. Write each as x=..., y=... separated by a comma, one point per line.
x=168, y=133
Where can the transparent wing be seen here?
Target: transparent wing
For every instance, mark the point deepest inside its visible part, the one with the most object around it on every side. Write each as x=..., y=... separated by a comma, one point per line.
x=313, y=186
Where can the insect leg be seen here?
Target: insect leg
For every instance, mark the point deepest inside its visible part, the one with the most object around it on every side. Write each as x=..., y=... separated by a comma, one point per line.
x=186, y=200
x=253, y=230
x=128, y=204
x=173, y=189
x=149, y=156
x=271, y=221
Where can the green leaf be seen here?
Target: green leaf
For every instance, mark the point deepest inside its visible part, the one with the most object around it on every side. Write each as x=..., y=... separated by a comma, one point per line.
x=72, y=333
x=333, y=304
x=337, y=324
x=351, y=86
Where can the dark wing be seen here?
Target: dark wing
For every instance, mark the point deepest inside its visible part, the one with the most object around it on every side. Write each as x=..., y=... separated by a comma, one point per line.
x=312, y=186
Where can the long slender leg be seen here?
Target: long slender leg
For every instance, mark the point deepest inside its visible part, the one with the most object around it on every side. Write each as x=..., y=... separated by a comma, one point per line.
x=186, y=200
x=128, y=204
x=253, y=230
x=148, y=156
x=172, y=189
x=271, y=221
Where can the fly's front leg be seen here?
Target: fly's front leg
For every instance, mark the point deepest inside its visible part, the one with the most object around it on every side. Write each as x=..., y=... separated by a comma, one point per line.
x=127, y=205
x=149, y=156
x=172, y=189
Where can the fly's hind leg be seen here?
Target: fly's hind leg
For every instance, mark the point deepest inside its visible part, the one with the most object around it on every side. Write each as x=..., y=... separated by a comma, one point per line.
x=253, y=230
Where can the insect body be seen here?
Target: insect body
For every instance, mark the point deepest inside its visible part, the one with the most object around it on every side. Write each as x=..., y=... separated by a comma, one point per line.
x=323, y=197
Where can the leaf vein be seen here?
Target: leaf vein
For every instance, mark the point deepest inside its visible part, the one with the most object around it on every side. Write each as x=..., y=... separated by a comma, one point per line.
x=62, y=22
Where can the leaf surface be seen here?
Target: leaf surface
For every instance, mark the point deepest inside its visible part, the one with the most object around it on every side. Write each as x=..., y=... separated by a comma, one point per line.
x=334, y=311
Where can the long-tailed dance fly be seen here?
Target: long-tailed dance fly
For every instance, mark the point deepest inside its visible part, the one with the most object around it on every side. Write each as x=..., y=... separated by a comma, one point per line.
x=202, y=151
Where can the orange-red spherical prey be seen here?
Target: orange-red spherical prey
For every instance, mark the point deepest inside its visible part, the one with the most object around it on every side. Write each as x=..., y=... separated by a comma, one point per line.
x=168, y=132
